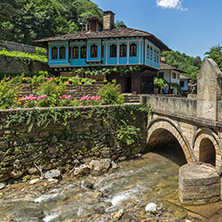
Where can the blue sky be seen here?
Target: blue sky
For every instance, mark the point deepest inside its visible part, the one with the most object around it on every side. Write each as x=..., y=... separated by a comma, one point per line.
x=188, y=26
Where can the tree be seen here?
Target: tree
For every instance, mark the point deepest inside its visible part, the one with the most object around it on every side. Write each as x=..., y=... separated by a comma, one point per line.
x=215, y=53
x=27, y=20
x=197, y=62
x=119, y=23
x=184, y=62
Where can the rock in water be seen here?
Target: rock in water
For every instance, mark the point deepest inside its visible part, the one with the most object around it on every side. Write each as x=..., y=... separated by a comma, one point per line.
x=34, y=181
x=16, y=174
x=2, y=186
x=52, y=174
x=97, y=194
x=100, y=165
x=151, y=207
x=118, y=215
x=82, y=170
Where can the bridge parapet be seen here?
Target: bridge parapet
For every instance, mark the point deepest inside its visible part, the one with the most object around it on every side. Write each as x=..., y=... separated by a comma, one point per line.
x=171, y=106
x=204, y=107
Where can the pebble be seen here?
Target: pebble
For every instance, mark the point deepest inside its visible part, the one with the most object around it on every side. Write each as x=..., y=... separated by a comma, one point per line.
x=34, y=181
x=118, y=215
x=52, y=174
x=2, y=186
x=97, y=194
x=151, y=207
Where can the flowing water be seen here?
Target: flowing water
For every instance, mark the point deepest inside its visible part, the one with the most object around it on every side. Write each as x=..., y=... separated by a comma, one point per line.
x=131, y=187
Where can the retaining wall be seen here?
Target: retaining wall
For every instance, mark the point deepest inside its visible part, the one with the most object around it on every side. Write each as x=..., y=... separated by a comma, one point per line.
x=18, y=65
x=65, y=137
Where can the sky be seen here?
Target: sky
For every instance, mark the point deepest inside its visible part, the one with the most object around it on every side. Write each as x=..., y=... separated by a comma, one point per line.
x=188, y=26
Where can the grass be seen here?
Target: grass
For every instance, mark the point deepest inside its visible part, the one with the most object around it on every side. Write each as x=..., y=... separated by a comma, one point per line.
x=22, y=55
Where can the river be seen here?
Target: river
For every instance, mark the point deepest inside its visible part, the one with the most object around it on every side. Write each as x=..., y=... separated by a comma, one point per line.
x=134, y=184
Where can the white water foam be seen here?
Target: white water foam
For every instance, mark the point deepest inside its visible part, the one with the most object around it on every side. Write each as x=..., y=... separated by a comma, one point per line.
x=51, y=217
x=45, y=197
x=123, y=196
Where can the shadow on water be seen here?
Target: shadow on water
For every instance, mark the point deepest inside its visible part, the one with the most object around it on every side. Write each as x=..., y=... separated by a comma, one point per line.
x=172, y=151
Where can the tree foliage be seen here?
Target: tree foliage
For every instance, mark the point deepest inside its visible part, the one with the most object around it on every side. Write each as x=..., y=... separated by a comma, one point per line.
x=27, y=20
x=215, y=53
x=184, y=62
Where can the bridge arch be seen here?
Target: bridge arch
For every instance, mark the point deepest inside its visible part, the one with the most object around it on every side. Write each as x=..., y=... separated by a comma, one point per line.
x=207, y=148
x=164, y=126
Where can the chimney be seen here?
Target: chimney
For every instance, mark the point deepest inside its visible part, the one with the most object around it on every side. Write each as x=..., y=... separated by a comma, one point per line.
x=108, y=20
x=93, y=24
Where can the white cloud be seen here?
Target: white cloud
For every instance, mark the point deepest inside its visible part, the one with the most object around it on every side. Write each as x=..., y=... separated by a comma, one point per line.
x=174, y=4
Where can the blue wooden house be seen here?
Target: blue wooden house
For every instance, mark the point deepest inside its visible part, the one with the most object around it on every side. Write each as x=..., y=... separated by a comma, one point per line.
x=103, y=45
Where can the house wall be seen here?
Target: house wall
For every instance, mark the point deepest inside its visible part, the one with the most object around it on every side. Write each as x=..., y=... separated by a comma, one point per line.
x=169, y=77
x=150, y=57
x=185, y=88
x=106, y=59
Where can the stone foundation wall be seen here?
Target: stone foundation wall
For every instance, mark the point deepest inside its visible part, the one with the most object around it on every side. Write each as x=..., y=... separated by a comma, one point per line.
x=66, y=137
x=76, y=91
x=16, y=65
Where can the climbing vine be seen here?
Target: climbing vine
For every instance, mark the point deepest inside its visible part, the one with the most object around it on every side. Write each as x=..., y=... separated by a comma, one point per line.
x=107, y=70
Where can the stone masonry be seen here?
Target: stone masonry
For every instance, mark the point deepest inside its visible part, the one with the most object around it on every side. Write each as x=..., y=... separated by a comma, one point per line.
x=198, y=184
x=195, y=122
x=17, y=65
x=74, y=136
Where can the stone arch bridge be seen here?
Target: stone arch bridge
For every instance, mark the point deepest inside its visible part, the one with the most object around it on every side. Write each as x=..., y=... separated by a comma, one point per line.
x=195, y=122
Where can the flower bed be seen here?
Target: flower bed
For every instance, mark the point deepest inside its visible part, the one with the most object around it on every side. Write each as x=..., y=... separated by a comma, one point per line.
x=51, y=92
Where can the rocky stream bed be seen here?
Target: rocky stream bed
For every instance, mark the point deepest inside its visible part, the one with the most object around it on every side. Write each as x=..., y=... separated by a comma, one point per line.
x=121, y=194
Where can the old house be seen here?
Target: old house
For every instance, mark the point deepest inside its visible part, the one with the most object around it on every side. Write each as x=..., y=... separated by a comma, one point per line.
x=103, y=45
x=172, y=74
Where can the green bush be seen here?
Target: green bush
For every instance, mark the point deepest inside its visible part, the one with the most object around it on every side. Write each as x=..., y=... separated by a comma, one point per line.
x=24, y=56
x=51, y=88
x=111, y=94
x=40, y=51
x=8, y=94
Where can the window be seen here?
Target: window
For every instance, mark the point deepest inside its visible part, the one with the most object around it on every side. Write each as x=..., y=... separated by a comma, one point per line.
x=62, y=52
x=123, y=50
x=54, y=53
x=181, y=83
x=154, y=55
x=148, y=52
x=93, y=53
x=133, y=50
x=174, y=75
x=83, y=52
x=151, y=53
x=113, y=50
x=161, y=75
x=157, y=57
x=75, y=54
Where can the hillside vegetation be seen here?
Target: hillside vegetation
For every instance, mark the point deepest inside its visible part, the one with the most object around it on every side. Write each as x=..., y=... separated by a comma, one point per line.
x=190, y=64
x=184, y=62
x=23, y=21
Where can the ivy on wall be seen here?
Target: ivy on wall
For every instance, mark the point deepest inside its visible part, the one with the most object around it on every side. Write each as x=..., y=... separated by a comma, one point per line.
x=36, y=136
